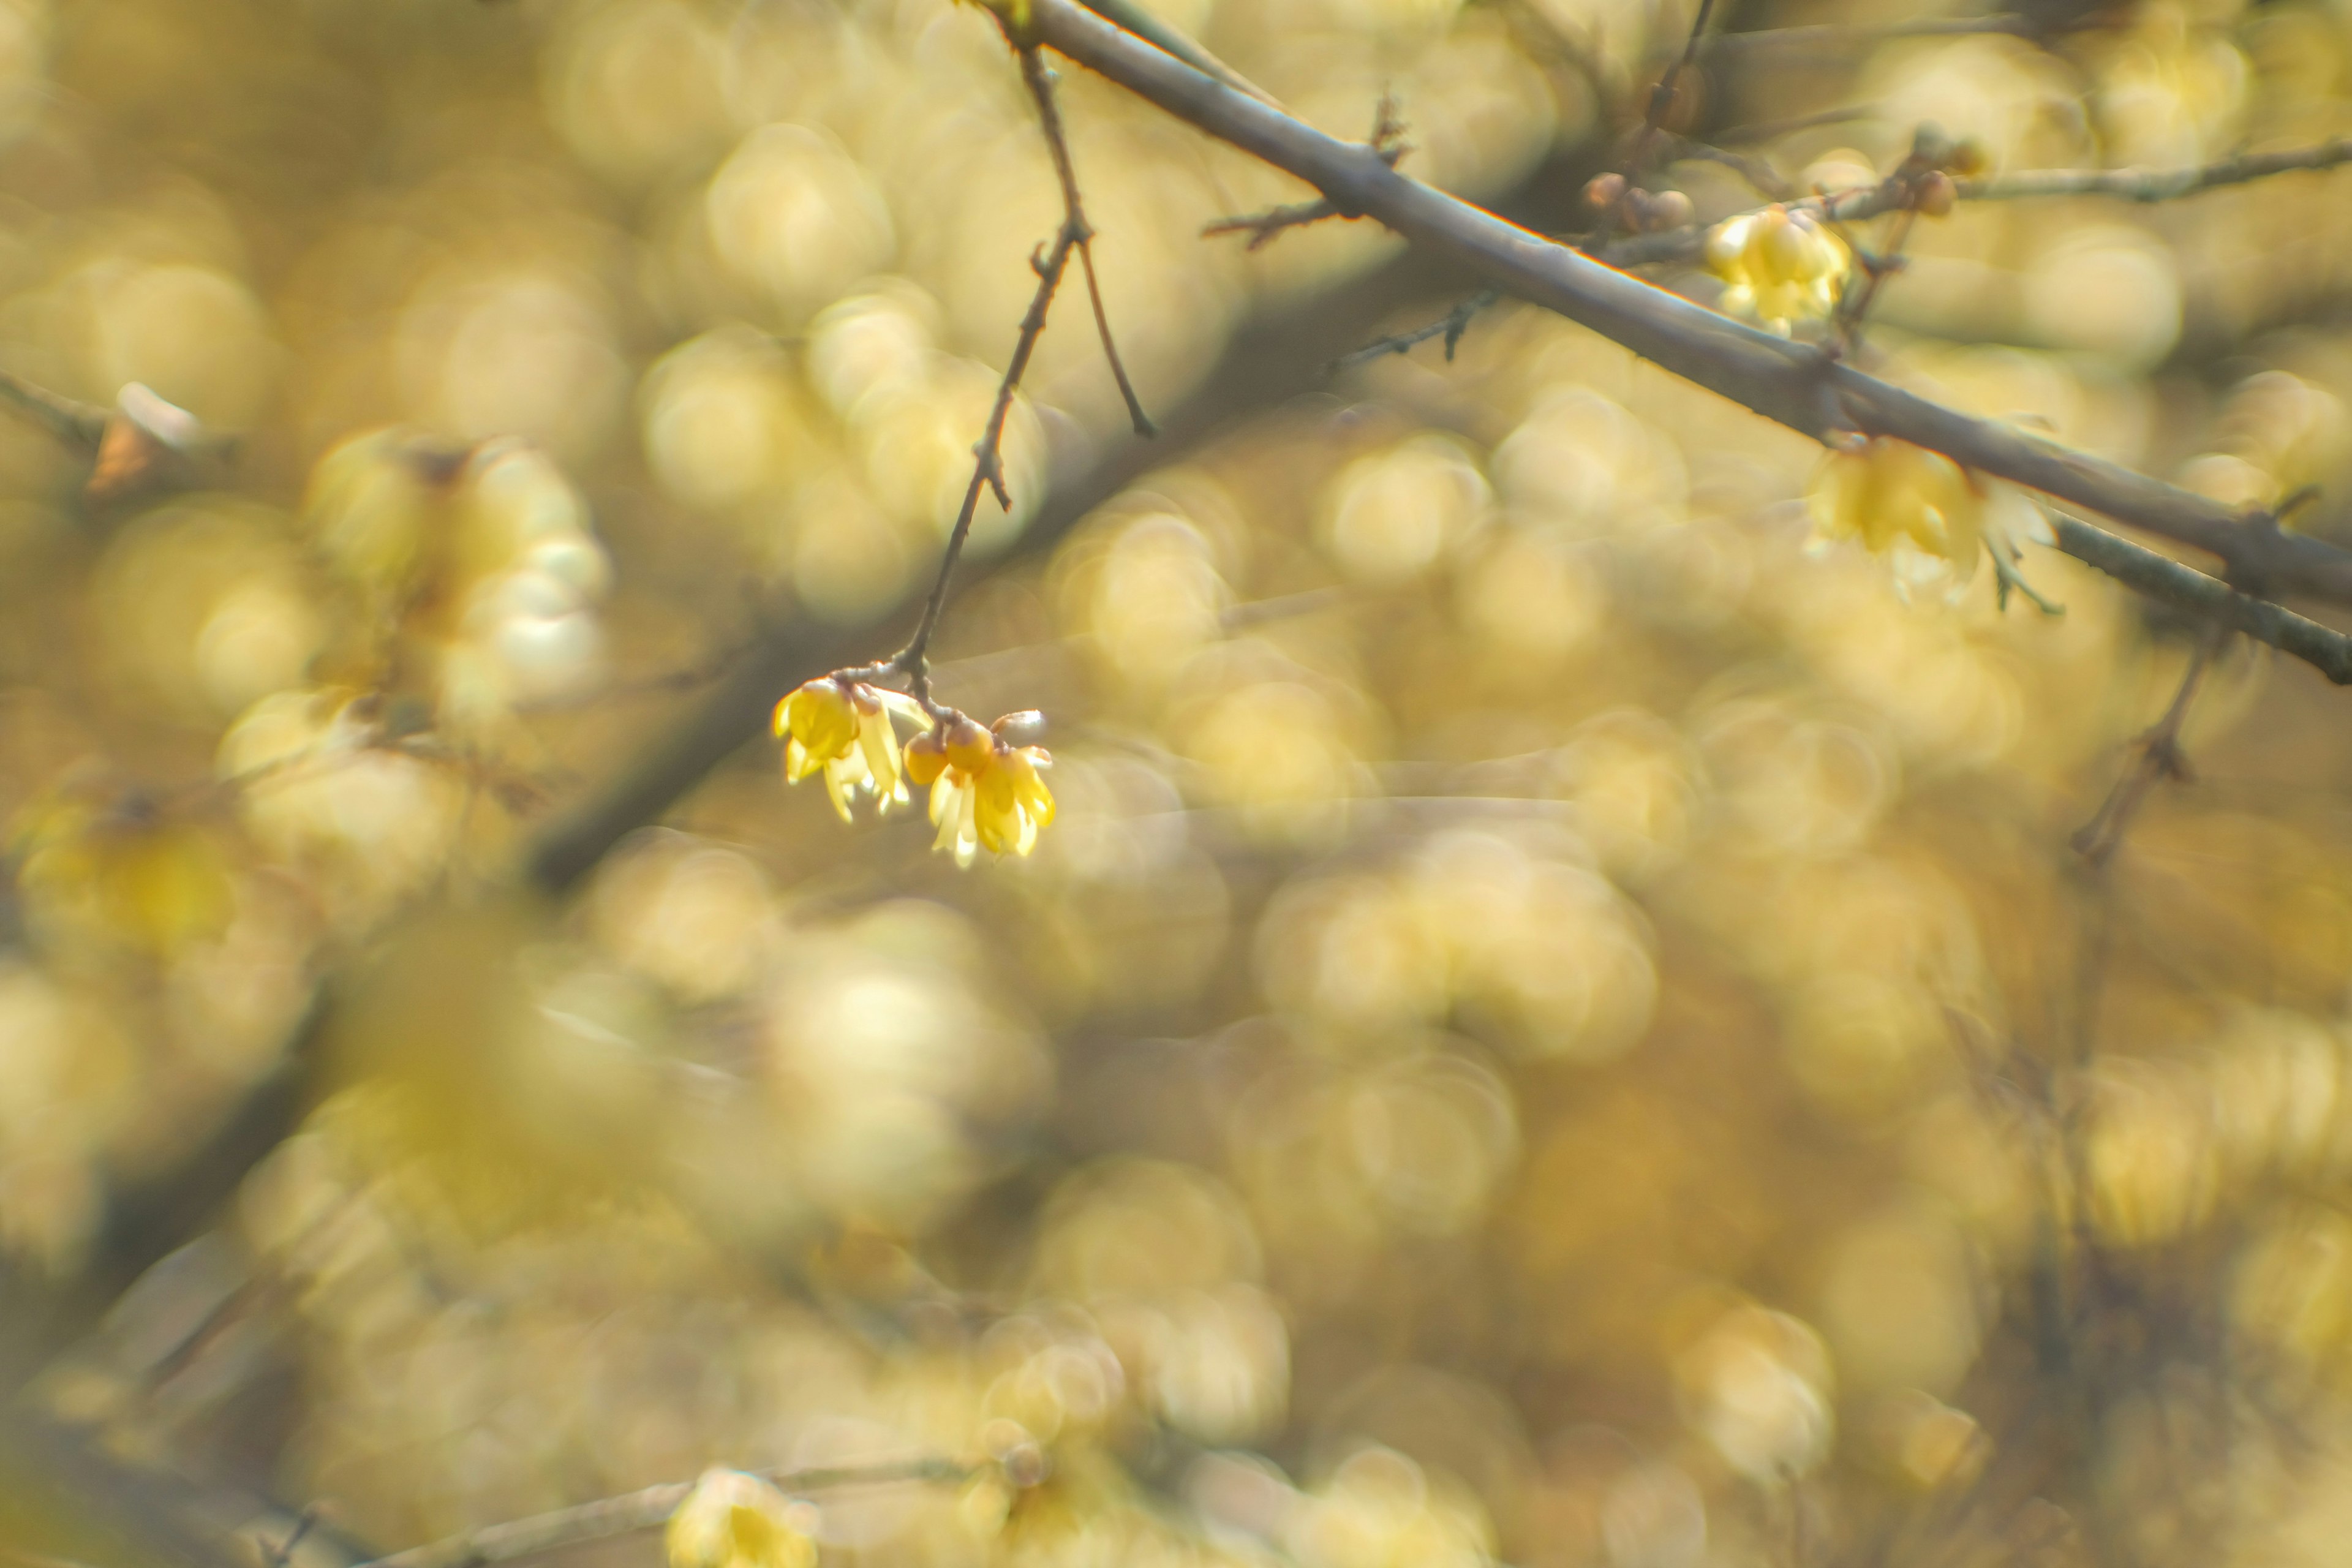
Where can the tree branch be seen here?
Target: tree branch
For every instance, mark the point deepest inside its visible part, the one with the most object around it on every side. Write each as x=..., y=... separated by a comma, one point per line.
x=648, y=1508
x=1793, y=383
x=2184, y=588
x=1689, y=243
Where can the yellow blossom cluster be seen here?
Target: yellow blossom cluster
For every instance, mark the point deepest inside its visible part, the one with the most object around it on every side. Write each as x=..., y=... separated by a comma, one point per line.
x=1925, y=514
x=842, y=728
x=985, y=789
x=1781, y=265
x=986, y=792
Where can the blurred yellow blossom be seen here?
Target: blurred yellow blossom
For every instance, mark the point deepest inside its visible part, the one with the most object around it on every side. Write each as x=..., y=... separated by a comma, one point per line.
x=119, y=867
x=734, y=1521
x=1927, y=515
x=843, y=727
x=1780, y=265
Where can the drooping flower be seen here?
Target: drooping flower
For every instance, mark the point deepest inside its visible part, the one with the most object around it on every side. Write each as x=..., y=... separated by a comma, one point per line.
x=841, y=727
x=734, y=1521
x=1929, y=517
x=986, y=792
x=1781, y=265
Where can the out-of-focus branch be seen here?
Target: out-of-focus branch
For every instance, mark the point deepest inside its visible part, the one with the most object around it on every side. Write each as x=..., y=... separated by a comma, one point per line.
x=1826, y=36
x=1689, y=243
x=1450, y=326
x=1793, y=383
x=73, y=422
x=647, y=1509
x=2160, y=757
x=988, y=463
x=2159, y=185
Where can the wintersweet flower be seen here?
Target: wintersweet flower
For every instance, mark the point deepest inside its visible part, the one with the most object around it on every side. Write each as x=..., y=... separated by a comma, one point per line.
x=843, y=727
x=735, y=1520
x=986, y=792
x=1780, y=266
x=1925, y=514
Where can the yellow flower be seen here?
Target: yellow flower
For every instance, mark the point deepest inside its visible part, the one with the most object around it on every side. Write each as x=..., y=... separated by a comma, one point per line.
x=843, y=728
x=108, y=865
x=1780, y=266
x=986, y=793
x=733, y=1520
x=1927, y=515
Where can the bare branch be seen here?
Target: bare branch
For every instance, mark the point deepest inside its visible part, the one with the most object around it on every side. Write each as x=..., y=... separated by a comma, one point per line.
x=2184, y=588
x=1689, y=243
x=2160, y=757
x=1827, y=35
x=645, y=1509
x=988, y=453
x=1040, y=83
x=2159, y=185
x=1450, y=326
x=1790, y=383
x=75, y=423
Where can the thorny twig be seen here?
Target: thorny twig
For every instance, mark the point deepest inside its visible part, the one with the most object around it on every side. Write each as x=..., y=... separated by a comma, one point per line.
x=1388, y=141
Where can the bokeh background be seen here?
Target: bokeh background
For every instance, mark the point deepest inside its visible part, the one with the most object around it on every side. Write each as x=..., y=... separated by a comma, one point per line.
x=1556, y=1026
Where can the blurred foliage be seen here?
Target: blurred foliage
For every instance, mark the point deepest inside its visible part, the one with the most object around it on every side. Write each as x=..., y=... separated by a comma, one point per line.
x=1557, y=1025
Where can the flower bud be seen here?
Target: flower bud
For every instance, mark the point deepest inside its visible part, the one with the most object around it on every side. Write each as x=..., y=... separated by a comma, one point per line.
x=1669, y=209
x=1603, y=191
x=926, y=757
x=969, y=746
x=1934, y=195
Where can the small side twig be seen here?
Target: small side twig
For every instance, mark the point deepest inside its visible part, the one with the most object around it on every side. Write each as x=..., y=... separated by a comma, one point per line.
x=1688, y=243
x=75, y=422
x=1613, y=195
x=2160, y=757
x=1450, y=326
x=912, y=661
x=1388, y=141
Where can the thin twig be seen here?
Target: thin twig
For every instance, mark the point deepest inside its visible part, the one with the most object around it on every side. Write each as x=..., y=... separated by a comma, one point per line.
x=1833, y=34
x=1388, y=141
x=1450, y=326
x=1876, y=267
x=645, y=1509
x=1653, y=125
x=1689, y=242
x=1040, y=83
x=81, y=424
x=2160, y=757
x=2159, y=185
x=988, y=454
